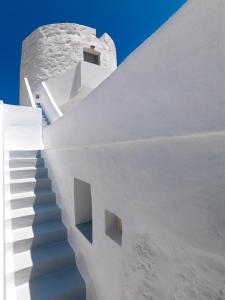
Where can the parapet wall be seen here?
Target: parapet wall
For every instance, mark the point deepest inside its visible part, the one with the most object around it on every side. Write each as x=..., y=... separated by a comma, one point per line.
x=53, y=49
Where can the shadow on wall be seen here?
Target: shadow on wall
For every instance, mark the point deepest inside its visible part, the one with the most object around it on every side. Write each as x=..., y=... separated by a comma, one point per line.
x=83, y=208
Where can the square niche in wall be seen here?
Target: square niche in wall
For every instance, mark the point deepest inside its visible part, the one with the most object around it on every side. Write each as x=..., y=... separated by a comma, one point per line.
x=91, y=56
x=83, y=208
x=113, y=227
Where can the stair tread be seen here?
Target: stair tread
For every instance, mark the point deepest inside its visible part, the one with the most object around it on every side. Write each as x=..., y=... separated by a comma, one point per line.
x=55, y=285
x=14, y=162
x=38, y=209
x=26, y=168
x=30, y=194
x=37, y=229
x=41, y=255
x=44, y=262
x=24, y=153
x=24, y=158
x=31, y=179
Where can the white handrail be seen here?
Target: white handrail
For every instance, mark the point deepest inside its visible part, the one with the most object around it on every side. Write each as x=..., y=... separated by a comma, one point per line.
x=60, y=114
x=32, y=101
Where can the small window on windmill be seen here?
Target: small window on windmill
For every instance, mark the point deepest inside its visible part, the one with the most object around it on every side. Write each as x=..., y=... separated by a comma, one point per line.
x=91, y=55
x=37, y=96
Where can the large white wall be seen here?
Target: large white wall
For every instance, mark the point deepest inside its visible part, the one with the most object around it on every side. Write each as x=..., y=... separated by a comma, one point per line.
x=170, y=198
x=172, y=85
x=150, y=141
x=2, y=219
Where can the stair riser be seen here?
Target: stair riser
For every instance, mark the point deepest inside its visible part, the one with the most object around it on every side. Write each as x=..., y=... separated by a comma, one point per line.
x=40, y=240
x=66, y=287
x=17, y=163
x=40, y=269
x=32, y=220
x=25, y=154
x=33, y=201
x=76, y=294
x=38, y=173
x=39, y=185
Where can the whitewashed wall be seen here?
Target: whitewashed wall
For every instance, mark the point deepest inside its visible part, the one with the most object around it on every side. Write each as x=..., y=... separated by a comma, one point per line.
x=22, y=128
x=150, y=141
x=27, y=94
x=53, y=49
x=71, y=87
x=2, y=219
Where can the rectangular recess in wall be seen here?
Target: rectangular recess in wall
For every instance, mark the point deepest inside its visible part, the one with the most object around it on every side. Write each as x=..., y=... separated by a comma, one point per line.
x=91, y=56
x=113, y=227
x=83, y=208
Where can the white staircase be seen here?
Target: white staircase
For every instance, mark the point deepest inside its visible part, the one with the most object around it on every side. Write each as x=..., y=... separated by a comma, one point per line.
x=44, y=266
x=45, y=120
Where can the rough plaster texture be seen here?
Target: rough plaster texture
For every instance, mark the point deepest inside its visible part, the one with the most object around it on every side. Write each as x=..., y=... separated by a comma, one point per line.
x=53, y=49
x=170, y=197
x=150, y=141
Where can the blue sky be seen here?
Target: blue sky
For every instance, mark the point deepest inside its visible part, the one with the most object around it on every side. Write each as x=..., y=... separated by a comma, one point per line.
x=129, y=22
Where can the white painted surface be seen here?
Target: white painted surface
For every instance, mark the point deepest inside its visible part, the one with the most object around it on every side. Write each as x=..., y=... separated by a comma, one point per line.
x=22, y=128
x=61, y=86
x=29, y=98
x=74, y=85
x=82, y=202
x=53, y=49
x=92, y=75
x=49, y=105
x=170, y=198
x=2, y=217
x=170, y=86
x=150, y=141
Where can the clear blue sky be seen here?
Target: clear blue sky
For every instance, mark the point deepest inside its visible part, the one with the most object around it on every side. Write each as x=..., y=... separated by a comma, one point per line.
x=129, y=22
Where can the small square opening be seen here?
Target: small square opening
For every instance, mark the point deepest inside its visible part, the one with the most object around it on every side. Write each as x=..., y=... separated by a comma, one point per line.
x=91, y=56
x=83, y=208
x=113, y=227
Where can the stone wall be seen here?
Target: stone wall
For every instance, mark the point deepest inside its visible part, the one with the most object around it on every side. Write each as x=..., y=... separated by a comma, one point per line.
x=53, y=49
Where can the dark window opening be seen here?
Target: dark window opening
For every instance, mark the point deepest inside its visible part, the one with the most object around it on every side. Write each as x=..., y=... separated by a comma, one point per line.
x=91, y=56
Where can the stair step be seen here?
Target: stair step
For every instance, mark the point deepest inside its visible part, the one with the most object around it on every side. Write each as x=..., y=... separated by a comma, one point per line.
x=29, y=184
x=25, y=154
x=30, y=199
x=29, y=216
x=65, y=284
x=28, y=172
x=26, y=162
x=42, y=260
x=38, y=235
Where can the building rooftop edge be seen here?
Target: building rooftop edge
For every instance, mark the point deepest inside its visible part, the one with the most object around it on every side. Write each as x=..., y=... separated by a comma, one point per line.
x=91, y=29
